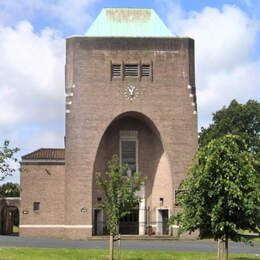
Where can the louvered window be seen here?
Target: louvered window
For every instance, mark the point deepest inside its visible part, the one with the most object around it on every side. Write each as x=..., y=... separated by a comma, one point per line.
x=116, y=70
x=131, y=70
x=146, y=70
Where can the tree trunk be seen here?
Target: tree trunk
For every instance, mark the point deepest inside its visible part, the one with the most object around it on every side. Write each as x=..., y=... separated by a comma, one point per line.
x=111, y=247
x=226, y=247
x=221, y=249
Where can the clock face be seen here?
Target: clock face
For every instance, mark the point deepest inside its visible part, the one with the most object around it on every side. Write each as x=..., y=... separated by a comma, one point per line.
x=131, y=92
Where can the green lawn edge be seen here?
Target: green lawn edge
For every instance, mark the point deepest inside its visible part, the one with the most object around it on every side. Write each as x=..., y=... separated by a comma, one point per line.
x=99, y=254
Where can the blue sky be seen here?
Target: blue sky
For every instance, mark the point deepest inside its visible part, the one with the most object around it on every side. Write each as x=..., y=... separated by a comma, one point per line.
x=32, y=49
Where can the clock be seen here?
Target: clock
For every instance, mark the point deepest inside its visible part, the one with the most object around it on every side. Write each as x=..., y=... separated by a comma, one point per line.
x=131, y=92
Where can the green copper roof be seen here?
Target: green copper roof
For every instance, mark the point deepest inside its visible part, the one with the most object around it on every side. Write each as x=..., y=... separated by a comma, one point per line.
x=128, y=22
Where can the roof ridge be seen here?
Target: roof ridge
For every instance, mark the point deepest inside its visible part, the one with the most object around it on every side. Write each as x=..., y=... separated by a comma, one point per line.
x=46, y=154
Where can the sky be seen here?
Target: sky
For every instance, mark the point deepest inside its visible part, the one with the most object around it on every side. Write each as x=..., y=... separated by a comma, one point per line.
x=32, y=58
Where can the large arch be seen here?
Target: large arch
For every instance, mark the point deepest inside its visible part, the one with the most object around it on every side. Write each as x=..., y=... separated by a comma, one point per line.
x=152, y=163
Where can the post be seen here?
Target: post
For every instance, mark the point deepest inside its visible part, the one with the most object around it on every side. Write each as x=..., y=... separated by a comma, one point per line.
x=111, y=247
x=119, y=247
x=142, y=211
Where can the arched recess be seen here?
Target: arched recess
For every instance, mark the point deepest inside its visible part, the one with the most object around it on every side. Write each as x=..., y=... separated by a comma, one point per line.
x=151, y=156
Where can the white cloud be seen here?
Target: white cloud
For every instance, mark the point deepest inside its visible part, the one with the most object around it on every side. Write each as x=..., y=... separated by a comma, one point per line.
x=241, y=83
x=32, y=88
x=224, y=42
x=31, y=75
x=64, y=13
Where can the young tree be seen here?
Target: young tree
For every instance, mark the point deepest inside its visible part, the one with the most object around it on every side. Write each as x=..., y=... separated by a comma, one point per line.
x=221, y=194
x=119, y=195
x=6, y=160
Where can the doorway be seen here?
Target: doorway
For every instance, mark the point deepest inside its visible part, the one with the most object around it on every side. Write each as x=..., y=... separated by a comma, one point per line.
x=98, y=222
x=162, y=222
x=10, y=220
x=129, y=224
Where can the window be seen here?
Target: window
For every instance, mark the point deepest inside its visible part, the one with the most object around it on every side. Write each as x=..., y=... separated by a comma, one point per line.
x=131, y=70
x=116, y=70
x=36, y=206
x=161, y=202
x=146, y=70
x=128, y=150
x=128, y=154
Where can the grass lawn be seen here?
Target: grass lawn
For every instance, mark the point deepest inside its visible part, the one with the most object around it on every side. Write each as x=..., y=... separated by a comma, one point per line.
x=80, y=254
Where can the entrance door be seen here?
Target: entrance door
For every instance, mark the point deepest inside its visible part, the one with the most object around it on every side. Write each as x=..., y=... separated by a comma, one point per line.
x=98, y=222
x=130, y=224
x=162, y=225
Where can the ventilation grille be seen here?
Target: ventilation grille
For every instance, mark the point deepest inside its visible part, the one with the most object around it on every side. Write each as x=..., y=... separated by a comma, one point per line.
x=116, y=70
x=146, y=70
x=131, y=70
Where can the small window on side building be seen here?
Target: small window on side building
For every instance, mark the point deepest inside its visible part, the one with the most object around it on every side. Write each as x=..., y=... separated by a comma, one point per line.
x=36, y=206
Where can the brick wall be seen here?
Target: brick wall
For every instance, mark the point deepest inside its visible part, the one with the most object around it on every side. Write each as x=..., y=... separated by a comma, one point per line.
x=44, y=184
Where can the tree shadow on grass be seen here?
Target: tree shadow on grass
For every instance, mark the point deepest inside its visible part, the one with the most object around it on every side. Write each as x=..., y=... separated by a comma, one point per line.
x=245, y=258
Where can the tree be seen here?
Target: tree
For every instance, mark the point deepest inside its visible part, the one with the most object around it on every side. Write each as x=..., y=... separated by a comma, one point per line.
x=237, y=119
x=10, y=189
x=119, y=195
x=6, y=160
x=221, y=194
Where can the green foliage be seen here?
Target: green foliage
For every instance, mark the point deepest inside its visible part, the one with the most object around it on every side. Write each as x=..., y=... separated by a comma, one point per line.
x=221, y=194
x=10, y=189
x=237, y=119
x=6, y=160
x=120, y=192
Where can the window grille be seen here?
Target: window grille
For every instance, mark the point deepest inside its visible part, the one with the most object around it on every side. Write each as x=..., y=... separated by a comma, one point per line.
x=146, y=70
x=116, y=70
x=131, y=70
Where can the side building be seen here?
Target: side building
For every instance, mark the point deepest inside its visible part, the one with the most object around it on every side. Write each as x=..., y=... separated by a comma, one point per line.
x=130, y=90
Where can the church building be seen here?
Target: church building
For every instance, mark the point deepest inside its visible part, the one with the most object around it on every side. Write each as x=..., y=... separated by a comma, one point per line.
x=130, y=91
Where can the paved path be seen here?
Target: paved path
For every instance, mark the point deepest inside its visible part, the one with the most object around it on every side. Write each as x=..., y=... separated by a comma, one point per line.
x=167, y=245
